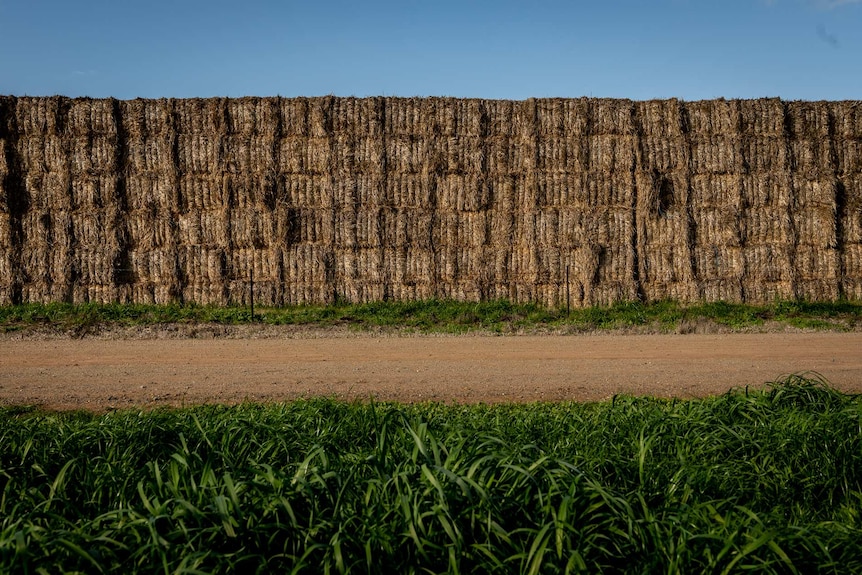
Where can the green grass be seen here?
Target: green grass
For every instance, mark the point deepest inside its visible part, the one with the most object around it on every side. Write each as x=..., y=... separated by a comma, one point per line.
x=441, y=316
x=764, y=482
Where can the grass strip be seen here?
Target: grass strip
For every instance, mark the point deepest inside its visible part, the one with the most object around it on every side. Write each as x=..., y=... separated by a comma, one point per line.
x=436, y=316
x=764, y=482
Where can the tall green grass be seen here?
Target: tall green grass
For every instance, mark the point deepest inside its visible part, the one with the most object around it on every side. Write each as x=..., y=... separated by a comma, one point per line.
x=764, y=482
x=440, y=316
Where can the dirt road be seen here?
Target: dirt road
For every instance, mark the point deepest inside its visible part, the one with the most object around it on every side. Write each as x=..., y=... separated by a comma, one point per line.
x=103, y=374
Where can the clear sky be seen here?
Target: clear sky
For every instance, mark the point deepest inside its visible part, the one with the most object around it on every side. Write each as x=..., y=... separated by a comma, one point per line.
x=639, y=49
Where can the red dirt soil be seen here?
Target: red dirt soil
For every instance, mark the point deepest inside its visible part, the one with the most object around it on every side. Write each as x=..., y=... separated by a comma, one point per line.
x=100, y=374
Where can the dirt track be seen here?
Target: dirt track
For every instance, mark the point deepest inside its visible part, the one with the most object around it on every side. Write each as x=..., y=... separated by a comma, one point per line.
x=103, y=374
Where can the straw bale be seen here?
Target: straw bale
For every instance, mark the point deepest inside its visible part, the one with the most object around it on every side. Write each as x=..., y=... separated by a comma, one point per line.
x=251, y=116
x=663, y=153
x=317, y=156
x=94, y=266
x=204, y=294
x=661, y=119
x=55, y=192
x=717, y=191
x=767, y=226
x=767, y=263
x=205, y=117
x=292, y=155
x=817, y=263
x=153, y=192
x=847, y=116
x=294, y=116
x=252, y=228
x=43, y=153
x=718, y=262
x=94, y=192
x=720, y=289
x=151, y=154
x=201, y=193
x=713, y=117
x=200, y=153
x=463, y=155
x=556, y=189
x=763, y=117
x=150, y=229
x=320, y=116
x=563, y=117
x=461, y=229
x=249, y=154
x=40, y=116
x=365, y=228
x=848, y=155
x=764, y=154
x=92, y=117
x=4, y=166
x=816, y=226
x=500, y=156
x=408, y=227
x=814, y=193
x=408, y=154
x=370, y=155
x=403, y=117
x=307, y=264
x=812, y=158
x=203, y=266
x=463, y=193
x=851, y=221
x=209, y=228
x=500, y=115
x=768, y=291
x=166, y=293
x=808, y=120
x=851, y=257
x=764, y=189
x=662, y=195
x=818, y=290
x=93, y=229
x=6, y=242
x=470, y=118
x=716, y=155
x=685, y=291
x=614, y=190
x=610, y=293
x=612, y=117
x=665, y=264
x=552, y=155
x=717, y=225
x=94, y=156
x=141, y=117
x=312, y=192
x=611, y=153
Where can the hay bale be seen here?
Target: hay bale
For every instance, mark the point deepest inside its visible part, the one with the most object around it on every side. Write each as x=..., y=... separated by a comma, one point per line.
x=40, y=116
x=88, y=117
x=611, y=153
x=848, y=156
x=717, y=262
x=765, y=189
x=765, y=154
x=309, y=192
x=463, y=193
x=249, y=154
x=762, y=118
x=847, y=118
x=320, y=117
x=716, y=155
x=663, y=153
x=94, y=192
x=808, y=120
x=461, y=155
x=707, y=118
x=205, y=117
x=723, y=191
x=768, y=263
x=814, y=193
x=727, y=290
x=612, y=117
x=200, y=153
x=96, y=155
x=151, y=155
x=717, y=225
x=816, y=226
x=769, y=226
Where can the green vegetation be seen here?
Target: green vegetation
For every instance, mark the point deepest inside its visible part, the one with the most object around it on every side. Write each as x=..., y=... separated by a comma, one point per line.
x=767, y=481
x=441, y=316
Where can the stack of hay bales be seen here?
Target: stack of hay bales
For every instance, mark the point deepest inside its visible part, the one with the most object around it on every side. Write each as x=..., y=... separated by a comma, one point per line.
x=716, y=198
x=306, y=215
x=7, y=241
x=557, y=201
x=815, y=258
x=847, y=139
x=664, y=212
x=151, y=197
x=767, y=190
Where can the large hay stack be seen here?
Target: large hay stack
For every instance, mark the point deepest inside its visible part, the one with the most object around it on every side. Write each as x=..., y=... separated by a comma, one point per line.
x=559, y=201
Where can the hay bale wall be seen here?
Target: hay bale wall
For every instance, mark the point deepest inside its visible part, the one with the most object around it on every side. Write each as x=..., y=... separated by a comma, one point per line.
x=578, y=201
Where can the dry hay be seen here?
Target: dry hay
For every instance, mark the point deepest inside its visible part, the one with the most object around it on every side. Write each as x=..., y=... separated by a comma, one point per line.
x=401, y=198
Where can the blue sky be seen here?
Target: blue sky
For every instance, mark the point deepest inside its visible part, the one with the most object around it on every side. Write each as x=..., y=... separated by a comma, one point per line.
x=689, y=49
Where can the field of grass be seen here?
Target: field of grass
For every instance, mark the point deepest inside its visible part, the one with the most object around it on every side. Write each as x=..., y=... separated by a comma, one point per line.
x=767, y=481
x=442, y=316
